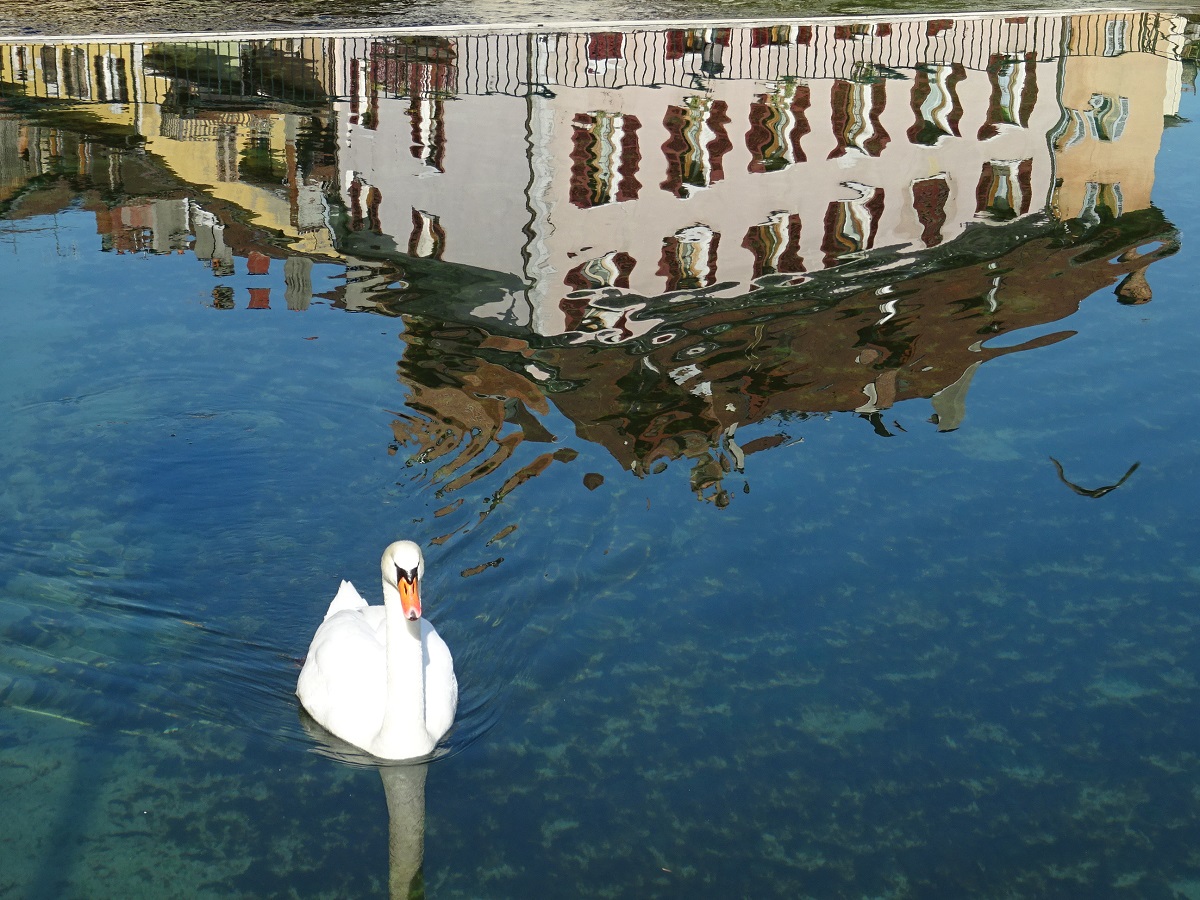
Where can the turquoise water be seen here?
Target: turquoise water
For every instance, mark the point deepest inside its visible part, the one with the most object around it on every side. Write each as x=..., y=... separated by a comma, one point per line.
x=842, y=651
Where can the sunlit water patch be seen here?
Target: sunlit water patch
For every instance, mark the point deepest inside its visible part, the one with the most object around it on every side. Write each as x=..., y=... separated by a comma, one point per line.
x=802, y=523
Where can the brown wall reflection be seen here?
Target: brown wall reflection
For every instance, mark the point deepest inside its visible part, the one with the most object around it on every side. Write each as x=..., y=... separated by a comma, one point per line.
x=710, y=367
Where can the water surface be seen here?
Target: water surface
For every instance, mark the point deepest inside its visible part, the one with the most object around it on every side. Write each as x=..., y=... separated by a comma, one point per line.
x=799, y=421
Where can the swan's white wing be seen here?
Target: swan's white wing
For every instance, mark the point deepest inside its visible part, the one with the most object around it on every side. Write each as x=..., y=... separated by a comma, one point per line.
x=346, y=598
x=441, y=686
x=343, y=684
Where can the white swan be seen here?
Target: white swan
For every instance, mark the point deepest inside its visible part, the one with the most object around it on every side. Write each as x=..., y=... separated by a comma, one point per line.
x=380, y=677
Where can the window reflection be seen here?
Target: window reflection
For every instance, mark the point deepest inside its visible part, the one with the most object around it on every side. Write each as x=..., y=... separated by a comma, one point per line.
x=935, y=103
x=777, y=123
x=689, y=258
x=775, y=245
x=857, y=108
x=605, y=159
x=697, y=143
x=1014, y=93
x=851, y=225
x=1004, y=190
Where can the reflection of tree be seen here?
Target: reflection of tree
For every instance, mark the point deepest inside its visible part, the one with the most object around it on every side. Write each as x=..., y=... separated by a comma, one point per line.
x=459, y=405
x=708, y=367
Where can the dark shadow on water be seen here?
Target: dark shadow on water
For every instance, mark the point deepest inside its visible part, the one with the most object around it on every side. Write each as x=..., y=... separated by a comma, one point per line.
x=92, y=766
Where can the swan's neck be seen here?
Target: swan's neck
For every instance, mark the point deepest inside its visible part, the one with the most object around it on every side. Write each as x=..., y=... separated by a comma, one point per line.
x=403, y=733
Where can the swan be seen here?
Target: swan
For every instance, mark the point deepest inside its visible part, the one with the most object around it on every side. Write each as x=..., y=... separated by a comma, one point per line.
x=380, y=677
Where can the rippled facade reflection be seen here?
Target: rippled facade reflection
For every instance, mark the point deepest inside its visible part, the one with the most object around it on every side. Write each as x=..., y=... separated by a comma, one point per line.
x=668, y=234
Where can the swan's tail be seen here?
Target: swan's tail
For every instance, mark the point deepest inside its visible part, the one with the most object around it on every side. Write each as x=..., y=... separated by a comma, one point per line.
x=347, y=598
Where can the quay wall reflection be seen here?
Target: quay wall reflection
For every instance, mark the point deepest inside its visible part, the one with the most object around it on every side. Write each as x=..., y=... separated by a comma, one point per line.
x=668, y=234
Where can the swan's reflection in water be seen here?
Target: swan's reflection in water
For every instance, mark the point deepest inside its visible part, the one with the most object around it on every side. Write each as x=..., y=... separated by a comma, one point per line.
x=404, y=787
x=404, y=791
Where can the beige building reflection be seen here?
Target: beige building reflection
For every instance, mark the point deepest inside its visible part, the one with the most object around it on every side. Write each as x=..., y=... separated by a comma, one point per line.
x=762, y=156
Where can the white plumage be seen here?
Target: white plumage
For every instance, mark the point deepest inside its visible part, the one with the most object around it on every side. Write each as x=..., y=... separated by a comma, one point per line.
x=380, y=677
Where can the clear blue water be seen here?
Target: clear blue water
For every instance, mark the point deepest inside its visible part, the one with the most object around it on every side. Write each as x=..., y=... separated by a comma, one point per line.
x=851, y=665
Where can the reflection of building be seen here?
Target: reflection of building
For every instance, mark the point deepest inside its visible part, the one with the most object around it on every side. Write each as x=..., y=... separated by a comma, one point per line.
x=796, y=220
x=763, y=158
x=151, y=226
x=787, y=147
x=699, y=375
x=1114, y=98
x=200, y=110
x=224, y=118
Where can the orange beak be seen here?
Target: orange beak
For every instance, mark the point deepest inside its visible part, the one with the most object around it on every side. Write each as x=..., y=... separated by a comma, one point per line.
x=410, y=599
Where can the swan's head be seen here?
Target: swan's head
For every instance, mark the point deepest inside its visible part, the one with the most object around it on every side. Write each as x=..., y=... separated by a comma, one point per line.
x=403, y=566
